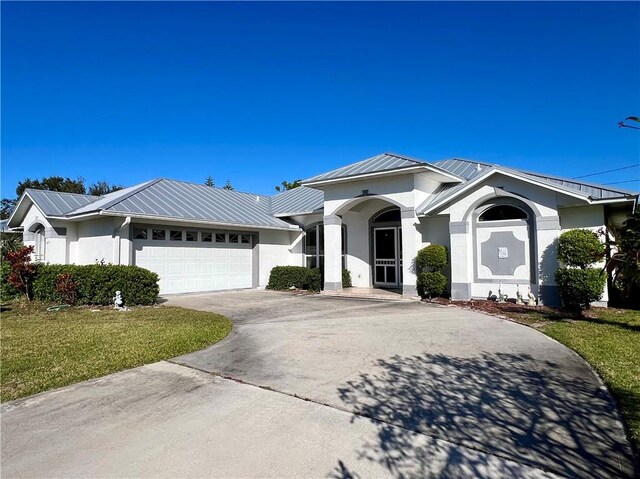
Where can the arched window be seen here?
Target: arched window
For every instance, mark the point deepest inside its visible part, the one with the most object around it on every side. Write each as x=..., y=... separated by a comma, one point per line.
x=40, y=243
x=389, y=216
x=503, y=212
x=314, y=246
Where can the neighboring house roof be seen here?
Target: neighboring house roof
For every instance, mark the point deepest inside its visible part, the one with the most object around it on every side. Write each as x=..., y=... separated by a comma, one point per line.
x=298, y=201
x=54, y=203
x=384, y=163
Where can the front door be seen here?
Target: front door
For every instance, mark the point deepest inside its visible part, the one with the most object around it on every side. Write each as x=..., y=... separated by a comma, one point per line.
x=386, y=257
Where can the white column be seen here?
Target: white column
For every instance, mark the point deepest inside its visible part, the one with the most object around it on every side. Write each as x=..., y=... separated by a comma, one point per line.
x=547, y=233
x=332, y=253
x=461, y=259
x=410, y=242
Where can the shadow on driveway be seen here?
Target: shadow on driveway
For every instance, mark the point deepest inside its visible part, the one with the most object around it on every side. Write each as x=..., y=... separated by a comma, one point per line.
x=505, y=404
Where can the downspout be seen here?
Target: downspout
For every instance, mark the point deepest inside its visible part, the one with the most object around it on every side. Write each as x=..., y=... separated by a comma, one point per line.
x=118, y=235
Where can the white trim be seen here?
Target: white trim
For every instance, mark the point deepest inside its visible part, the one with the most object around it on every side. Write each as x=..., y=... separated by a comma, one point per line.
x=490, y=173
x=394, y=172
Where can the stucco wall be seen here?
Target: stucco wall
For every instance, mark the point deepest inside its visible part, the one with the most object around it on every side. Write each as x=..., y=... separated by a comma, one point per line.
x=96, y=241
x=275, y=249
x=55, y=236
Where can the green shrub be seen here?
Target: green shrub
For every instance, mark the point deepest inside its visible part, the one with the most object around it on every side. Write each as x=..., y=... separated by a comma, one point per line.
x=7, y=291
x=97, y=283
x=286, y=277
x=431, y=283
x=432, y=258
x=346, y=278
x=578, y=288
x=580, y=248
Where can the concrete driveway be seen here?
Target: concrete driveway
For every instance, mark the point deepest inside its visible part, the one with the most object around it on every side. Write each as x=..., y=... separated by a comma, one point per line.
x=316, y=386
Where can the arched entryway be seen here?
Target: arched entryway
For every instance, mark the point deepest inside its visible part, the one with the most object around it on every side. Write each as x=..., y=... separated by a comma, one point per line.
x=386, y=248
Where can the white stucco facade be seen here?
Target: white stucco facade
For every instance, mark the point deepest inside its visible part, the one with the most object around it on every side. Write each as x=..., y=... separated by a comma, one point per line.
x=372, y=223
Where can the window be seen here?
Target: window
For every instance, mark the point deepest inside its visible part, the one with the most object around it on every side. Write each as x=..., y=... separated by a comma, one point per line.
x=314, y=246
x=140, y=233
x=390, y=216
x=245, y=239
x=233, y=238
x=192, y=236
x=221, y=238
x=175, y=235
x=207, y=237
x=503, y=212
x=40, y=244
x=158, y=234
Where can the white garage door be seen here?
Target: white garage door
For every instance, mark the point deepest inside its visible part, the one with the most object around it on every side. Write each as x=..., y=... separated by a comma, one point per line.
x=188, y=261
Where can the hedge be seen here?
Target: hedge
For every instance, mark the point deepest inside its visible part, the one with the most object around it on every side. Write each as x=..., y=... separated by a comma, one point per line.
x=578, y=288
x=346, y=278
x=431, y=283
x=432, y=258
x=97, y=284
x=286, y=277
x=6, y=290
x=580, y=248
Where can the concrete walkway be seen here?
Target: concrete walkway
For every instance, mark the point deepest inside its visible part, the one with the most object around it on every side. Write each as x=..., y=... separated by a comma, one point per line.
x=316, y=386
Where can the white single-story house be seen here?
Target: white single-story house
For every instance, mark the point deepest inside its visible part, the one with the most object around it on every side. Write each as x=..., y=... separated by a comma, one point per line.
x=371, y=217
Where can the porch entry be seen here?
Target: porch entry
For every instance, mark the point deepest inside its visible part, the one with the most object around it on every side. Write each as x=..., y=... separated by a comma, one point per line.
x=387, y=249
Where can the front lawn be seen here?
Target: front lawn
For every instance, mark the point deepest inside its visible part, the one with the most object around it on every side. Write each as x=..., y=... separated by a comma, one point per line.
x=609, y=339
x=44, y=350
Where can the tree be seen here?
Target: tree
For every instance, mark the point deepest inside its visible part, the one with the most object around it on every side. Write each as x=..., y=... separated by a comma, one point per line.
x=624, y=264
x=228, y=186
x=210, y=181
x=6, y=207
x=22, y=270
x=52, y=183
x=100, y=188
x=288, y=186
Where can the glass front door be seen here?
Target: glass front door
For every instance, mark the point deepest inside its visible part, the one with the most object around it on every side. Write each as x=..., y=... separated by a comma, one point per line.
x=386, y=257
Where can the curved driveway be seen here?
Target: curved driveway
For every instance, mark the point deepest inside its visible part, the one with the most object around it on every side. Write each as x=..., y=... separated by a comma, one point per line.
x=317, y=386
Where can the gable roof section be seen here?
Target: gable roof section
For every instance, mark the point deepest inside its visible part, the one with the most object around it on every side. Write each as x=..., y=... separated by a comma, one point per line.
x=474, y=172
x=54, y=203
x=298, y=201
x=384, y=163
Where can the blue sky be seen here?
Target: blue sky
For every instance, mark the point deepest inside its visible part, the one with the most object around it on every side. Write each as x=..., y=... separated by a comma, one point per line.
x=261, y=92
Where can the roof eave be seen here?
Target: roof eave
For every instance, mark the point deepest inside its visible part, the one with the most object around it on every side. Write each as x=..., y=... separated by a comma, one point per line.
x=498, y=170
x=396, y=171
x=197, y=221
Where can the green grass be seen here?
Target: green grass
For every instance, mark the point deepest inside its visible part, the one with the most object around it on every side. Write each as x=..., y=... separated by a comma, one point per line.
x=42, y=350
x=609, y=339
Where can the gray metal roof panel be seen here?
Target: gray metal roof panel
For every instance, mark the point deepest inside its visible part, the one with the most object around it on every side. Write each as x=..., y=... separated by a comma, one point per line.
x=105, y=201
x=300, y=200
x=182, y=200
x=375, y=164
x=466, y=168
x=55, y=203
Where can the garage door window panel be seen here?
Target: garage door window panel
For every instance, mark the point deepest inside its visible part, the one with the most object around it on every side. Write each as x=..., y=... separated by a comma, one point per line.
x=175, y=235
x=207, y=237
x=221, y=238
x=192, y=236
x=233, y=239
x=140, y=233
x=158, y=235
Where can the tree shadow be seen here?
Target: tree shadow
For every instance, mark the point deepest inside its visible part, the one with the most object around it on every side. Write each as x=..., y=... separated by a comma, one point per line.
x=508, y=405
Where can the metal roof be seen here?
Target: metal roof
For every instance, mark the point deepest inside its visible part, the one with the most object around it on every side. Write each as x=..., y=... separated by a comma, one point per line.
x=54, y=203
x=189, y=201
x=469, y=169
x=298, y=201
x=383, y=162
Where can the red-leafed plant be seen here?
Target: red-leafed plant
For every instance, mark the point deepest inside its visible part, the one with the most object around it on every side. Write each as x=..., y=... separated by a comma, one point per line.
x=22, y=270
x=66, y=288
